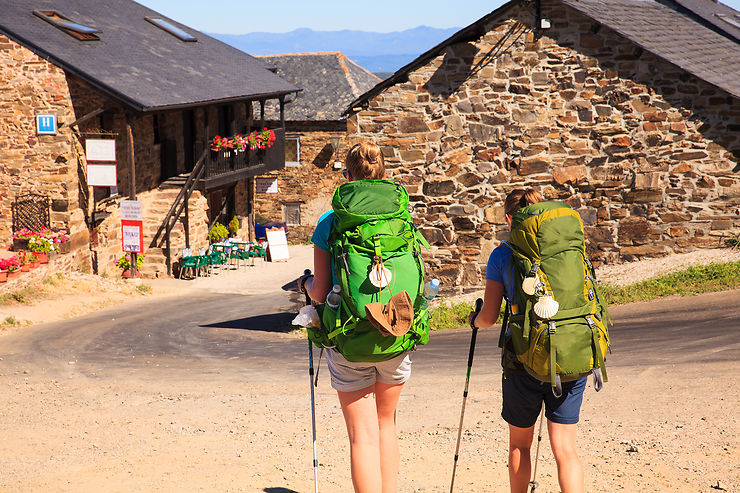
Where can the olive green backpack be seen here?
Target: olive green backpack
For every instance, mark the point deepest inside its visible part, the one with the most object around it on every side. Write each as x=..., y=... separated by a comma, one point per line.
x=371, y=225
x=559, y=327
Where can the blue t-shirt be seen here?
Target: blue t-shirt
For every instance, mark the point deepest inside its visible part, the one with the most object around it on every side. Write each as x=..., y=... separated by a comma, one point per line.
x=320, y=237
x=499, y=269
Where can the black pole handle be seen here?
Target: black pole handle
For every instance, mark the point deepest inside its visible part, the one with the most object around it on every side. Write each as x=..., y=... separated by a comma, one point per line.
x=478, y=307
x=306, y=272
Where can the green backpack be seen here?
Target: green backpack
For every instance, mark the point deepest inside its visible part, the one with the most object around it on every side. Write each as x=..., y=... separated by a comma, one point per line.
x=559, y=327
x=372, y=223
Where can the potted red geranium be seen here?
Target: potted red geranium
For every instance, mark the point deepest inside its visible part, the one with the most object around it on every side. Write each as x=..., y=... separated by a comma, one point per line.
x=10, y=266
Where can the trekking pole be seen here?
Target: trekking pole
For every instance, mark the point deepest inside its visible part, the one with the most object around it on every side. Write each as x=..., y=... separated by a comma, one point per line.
x=307, y=272
x=478, y=306
x=533, y=483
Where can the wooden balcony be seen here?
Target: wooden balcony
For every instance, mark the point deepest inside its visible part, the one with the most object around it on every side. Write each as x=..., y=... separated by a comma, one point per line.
x=225, y=167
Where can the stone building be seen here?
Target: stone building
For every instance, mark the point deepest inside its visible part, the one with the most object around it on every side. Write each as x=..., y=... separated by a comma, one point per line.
x=628, y=110
x=120, y=71
x=315, y=136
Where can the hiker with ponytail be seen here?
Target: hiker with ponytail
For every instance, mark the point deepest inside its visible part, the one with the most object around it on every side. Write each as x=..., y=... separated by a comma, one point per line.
x=523, y=395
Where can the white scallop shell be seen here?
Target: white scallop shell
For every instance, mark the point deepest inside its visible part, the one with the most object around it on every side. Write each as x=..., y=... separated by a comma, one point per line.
x=380, y=277
x=529, y=285
x=546, y=307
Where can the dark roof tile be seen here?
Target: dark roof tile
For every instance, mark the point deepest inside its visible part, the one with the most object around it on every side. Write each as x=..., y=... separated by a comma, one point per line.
x=137, y=62
x=330, y=81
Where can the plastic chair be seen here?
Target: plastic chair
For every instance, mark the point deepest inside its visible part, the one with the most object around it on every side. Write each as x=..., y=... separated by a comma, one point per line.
x=188, y=261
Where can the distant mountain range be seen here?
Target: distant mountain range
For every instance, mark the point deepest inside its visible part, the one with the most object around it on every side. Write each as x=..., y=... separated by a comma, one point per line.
x=377, y=52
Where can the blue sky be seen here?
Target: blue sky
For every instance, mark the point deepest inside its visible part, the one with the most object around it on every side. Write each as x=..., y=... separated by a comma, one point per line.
x=238, y=17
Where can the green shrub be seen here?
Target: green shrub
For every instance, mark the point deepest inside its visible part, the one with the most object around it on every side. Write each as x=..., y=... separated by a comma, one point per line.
x=233, y=226
x=217, y=233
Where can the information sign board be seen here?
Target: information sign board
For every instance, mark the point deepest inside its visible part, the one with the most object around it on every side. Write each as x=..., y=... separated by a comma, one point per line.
x=277, y=244
x=102, y=175
x=100, y=150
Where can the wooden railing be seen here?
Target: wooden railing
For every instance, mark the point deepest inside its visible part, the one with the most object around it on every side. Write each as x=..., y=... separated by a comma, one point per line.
x=231, y=165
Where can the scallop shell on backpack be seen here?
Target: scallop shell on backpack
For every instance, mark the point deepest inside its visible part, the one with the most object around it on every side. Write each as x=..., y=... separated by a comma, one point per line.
x=546, y=307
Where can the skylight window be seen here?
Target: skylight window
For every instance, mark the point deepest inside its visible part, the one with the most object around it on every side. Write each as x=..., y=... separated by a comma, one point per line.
x=170, y=28
x=74, y=29
x=731, y=20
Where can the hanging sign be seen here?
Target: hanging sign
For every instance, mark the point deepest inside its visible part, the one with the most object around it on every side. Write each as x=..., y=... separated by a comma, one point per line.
x=46, y=124
x=132, y=226
x=102, y=175
x=100, y=150
x=131, y=210
x=267, y=185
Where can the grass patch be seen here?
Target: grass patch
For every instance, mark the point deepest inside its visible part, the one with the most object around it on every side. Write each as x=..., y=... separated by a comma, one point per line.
x=689, y=282
x=23, y=295
x=454, y=315
x=692, y=281
x=144, y=288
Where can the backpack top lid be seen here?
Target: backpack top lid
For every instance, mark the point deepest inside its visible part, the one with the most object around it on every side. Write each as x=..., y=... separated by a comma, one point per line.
x=546, y=228
x=358, y=201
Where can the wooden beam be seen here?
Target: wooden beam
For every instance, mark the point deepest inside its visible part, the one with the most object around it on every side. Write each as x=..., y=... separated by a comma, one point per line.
x=88, y=116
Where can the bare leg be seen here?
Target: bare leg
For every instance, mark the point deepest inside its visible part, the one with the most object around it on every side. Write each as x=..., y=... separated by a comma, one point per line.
x=570, y=471
x=361, y=418
x=520, y=463
x=387, y=399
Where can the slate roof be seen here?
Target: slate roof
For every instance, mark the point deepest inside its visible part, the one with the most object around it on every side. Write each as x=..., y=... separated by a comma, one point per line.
x=330, y=81
x=686, y=33
x=136, y=62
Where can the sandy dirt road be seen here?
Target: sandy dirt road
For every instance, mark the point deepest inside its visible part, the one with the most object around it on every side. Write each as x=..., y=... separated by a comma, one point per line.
x=205, y=399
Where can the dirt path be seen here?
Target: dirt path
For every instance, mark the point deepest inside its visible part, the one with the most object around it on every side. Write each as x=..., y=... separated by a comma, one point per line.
x=667, y=425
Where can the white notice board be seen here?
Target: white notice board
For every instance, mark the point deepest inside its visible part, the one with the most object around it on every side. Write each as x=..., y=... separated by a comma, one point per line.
x=102, y=175
x=100, y=150
x=277, y=245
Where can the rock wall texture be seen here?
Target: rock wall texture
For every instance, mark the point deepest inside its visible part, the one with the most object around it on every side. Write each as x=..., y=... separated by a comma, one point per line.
x=647, y=153
x=44, y=164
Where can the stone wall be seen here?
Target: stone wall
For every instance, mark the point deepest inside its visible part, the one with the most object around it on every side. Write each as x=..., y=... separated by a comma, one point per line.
x=44, y=164
x=647, y=153
x=312, y=183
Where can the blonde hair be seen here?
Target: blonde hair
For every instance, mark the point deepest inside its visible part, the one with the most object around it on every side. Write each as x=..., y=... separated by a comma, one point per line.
x=521, y=198
x=365, y=162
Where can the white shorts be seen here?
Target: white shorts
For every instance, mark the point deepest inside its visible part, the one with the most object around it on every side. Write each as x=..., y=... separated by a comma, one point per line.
x=348, y=376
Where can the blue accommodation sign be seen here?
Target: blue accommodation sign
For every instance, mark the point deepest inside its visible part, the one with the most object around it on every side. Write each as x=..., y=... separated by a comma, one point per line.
x=46, y=124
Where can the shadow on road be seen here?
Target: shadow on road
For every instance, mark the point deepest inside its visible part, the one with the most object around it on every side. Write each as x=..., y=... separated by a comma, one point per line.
x=279, y=490
x=273, y=322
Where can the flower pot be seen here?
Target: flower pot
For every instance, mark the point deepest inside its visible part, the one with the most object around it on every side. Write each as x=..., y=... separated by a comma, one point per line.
x=14, y=274
x=34, y=264
x=127, y=274
x=25, y=267
x=3, y=276
x=43, y=257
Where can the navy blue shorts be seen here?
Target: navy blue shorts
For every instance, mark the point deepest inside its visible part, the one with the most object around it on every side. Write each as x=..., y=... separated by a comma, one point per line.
x=523, y=396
